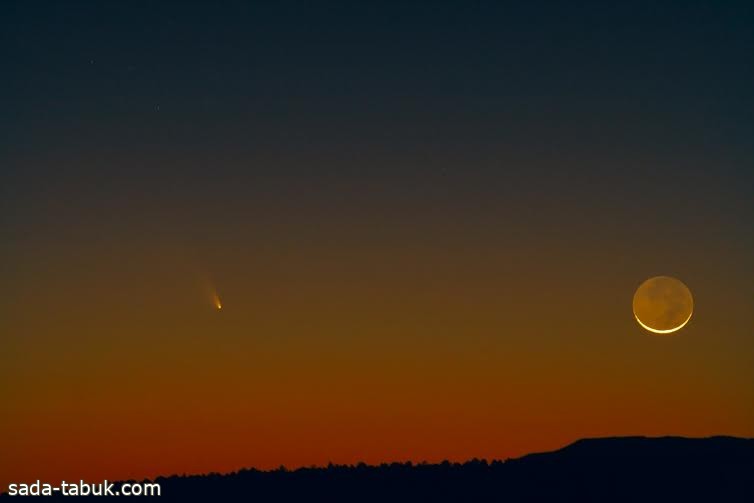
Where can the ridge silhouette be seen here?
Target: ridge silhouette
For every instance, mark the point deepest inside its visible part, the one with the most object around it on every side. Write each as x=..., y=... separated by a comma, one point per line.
x=616, y=469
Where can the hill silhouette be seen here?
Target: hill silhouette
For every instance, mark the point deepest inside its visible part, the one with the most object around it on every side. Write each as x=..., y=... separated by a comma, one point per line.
x=716, y=469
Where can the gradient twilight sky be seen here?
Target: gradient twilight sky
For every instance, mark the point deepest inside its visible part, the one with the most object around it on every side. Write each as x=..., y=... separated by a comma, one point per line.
x=425, y=220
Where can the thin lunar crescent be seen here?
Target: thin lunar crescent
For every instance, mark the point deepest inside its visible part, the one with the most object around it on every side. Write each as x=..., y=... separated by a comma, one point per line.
x=663, y=305
x=670, y=331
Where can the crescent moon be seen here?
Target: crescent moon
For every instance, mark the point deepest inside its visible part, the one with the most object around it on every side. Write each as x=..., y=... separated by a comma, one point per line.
x=669, y=331
x=663, y=305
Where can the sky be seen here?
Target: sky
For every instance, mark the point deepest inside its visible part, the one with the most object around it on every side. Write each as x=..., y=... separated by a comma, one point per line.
x=425, y=222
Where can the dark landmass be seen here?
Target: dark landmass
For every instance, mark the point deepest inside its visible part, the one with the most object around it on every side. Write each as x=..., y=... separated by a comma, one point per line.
x=717, y=469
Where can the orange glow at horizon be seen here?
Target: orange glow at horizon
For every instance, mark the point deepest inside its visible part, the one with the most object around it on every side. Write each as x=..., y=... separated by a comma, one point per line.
x=337, y=364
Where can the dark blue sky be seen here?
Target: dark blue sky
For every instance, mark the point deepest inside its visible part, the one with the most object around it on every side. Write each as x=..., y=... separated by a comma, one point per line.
x=185, y=120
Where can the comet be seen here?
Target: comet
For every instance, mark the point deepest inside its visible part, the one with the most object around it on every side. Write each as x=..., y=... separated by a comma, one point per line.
x=210, y=292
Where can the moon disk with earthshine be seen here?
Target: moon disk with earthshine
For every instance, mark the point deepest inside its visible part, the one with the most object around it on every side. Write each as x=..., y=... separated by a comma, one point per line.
x=663, y=305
